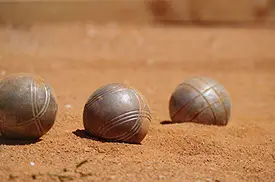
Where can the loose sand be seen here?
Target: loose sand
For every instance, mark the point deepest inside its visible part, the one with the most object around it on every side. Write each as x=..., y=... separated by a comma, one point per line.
x=78, y=58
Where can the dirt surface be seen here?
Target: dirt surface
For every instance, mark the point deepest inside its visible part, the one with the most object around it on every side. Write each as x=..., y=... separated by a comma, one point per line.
x=78, y=58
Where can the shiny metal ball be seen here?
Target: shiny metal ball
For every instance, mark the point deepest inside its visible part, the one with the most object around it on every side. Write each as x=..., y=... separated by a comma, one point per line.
x=116, y=112
x=27, y=107
x=200, y=100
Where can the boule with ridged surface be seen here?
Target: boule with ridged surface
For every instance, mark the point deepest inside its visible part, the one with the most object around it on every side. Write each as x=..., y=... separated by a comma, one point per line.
x=117, y=112
x=27, y=107
x=200, y=100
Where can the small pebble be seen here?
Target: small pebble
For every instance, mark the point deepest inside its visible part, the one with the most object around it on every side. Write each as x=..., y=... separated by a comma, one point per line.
x=112, y=177
x=161, y=177
x=32, y=163
x=68, y=106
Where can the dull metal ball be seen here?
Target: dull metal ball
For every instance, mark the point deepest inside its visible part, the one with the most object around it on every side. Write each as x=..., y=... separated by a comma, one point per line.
x=27, y=107
x=116, y=112
x=200, y=100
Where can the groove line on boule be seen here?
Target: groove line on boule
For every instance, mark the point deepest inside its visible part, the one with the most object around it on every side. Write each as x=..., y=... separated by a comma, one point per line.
x=105, y=93
x=126, y=133
x=93, y=97
x=121, y=119
x=44, y=109
x=40, y=114
x=33, y=105
x=191, y=100
x=36, y=112
x=134, y=130
x=116, y=118
x=219, y=96
x=223, y=103
x=201, y=93
x=122, y=116
x=117, y=123
x=102, y=93
x=201, y=111
x=144, y=102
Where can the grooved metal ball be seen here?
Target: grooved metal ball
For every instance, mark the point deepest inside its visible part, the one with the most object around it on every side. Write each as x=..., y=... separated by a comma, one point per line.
x=116, y=112
x=200, y=100
x=27, y=107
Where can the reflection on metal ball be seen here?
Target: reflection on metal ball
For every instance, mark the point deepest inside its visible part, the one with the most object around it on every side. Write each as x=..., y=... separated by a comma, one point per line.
x=116, y=112
x=200, y=100
x=27, y=107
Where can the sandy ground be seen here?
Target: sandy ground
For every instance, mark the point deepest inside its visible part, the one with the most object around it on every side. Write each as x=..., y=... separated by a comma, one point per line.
x=78, y=58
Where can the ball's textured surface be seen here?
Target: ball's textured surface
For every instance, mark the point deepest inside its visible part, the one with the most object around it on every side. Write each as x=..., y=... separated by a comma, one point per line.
x=27, y=107
x=116, y=112
x=200, y=100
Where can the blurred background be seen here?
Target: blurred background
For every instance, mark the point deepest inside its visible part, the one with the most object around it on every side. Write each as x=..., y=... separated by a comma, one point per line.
x=79, y=45
x=137, y=11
